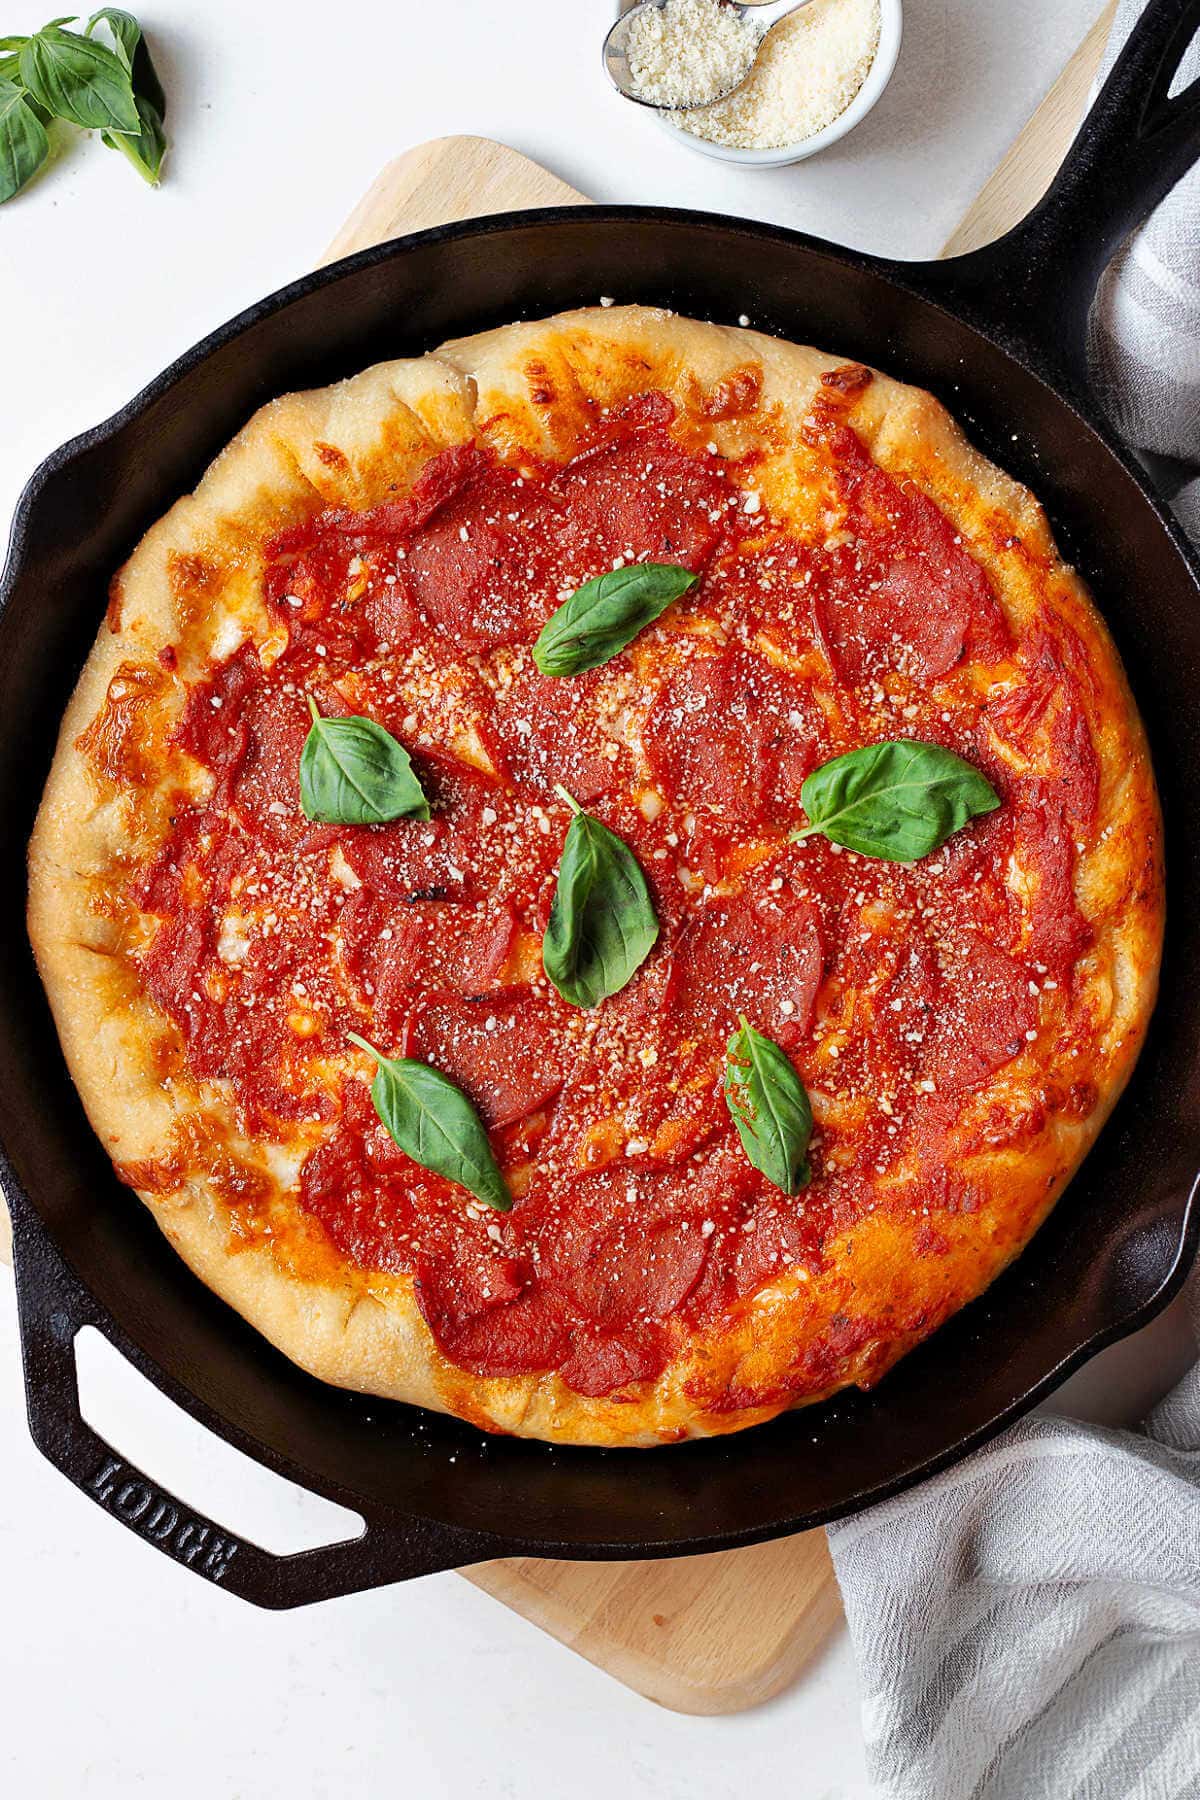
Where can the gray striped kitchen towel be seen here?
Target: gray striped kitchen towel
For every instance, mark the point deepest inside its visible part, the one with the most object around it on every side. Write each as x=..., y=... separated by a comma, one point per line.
x=1027, y=1626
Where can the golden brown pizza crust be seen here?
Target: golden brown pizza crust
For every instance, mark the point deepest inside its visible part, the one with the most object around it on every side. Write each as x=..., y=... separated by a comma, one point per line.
x=193, y=583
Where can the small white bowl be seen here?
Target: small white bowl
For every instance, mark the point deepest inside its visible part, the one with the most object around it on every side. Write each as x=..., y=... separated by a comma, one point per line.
x=891, y=26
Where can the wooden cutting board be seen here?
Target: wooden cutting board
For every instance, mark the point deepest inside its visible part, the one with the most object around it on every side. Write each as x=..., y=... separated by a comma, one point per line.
x=702, y=1634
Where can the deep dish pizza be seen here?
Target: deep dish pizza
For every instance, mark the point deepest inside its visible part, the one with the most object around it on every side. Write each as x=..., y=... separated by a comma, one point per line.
x=601, y=879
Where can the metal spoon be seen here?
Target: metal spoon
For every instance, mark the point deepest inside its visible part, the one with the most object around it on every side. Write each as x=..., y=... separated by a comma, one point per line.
x=616, y=57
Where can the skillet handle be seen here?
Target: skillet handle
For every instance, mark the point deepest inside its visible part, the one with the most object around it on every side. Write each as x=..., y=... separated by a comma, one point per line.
x=1032, y=289
x=52, y=1306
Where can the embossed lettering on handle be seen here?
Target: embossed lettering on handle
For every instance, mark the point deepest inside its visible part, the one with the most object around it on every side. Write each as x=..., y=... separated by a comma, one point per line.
x=127, y=1494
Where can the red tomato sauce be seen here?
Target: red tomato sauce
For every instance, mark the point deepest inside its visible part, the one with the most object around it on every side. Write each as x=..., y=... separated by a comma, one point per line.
x=896, y=990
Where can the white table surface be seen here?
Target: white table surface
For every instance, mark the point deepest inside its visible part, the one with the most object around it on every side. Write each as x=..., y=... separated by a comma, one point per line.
x=121, y=1674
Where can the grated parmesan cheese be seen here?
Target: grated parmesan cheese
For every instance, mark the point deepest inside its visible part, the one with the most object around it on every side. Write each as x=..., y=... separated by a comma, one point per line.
x=687, y=52
x=812, y=65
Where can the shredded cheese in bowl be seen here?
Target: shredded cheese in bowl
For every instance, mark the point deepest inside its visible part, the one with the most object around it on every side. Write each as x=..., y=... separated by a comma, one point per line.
x=812, y=65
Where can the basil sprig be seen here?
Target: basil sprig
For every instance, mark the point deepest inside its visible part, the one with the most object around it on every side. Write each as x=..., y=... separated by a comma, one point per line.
x=107, y=87
x=353, y=772
x=894, y=800
x=433, y=1122
x=602, y=924
x=769, y=1106
x=607, y=613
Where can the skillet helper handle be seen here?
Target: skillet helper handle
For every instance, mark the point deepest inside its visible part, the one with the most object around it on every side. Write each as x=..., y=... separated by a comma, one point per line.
x=52, y=1307
x=1033, y=288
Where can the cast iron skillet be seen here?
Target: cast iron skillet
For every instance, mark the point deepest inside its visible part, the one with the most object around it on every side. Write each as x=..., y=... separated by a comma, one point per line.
x=999, y=335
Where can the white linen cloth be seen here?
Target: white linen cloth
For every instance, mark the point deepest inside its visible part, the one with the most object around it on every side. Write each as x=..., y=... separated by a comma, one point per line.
x=1027, y=1626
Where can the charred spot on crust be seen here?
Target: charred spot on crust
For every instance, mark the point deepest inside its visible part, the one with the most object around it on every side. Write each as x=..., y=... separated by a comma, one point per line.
x=735, y=394
x=330, y=457
x=116, y=599
x=849, y=378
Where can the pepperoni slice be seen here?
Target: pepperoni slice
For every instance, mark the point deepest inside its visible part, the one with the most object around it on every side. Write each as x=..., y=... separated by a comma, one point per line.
x=265, y=785
x=497, y=1048
x=251, y=736
x=674, y=1120
x=478, y=569
x=970, y=898
x=172, y=966
x=311, y=565
x=517, y=1335
x=440, y=479
x=449, y=857
x=629, y=1269
x=608, y=1270
x=410, y=860
x=981, y=1017
x=197, y=838
x=415, y=860
x=466, y=551
x=1046, y=705
x=643, y=498
x=609, y=1108
x=597, y=1366
x=733, y=733
x=904, y=593
x=547, y=732
x=1045, y=844
x=216, y=726
x=752, y=1231
x=760, y=955
x=779, y=1234
x=391, y=953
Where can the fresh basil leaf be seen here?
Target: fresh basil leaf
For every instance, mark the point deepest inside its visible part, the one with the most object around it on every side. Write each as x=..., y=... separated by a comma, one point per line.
x=353, y=772
x=10, y=71
x=130, y=41
x=605, y=614
x=602, y=925
x=895, y=800
x=769, y=1106
x=435, y=1124
x=24, y=145
x=77, y=79
x=124, y=27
